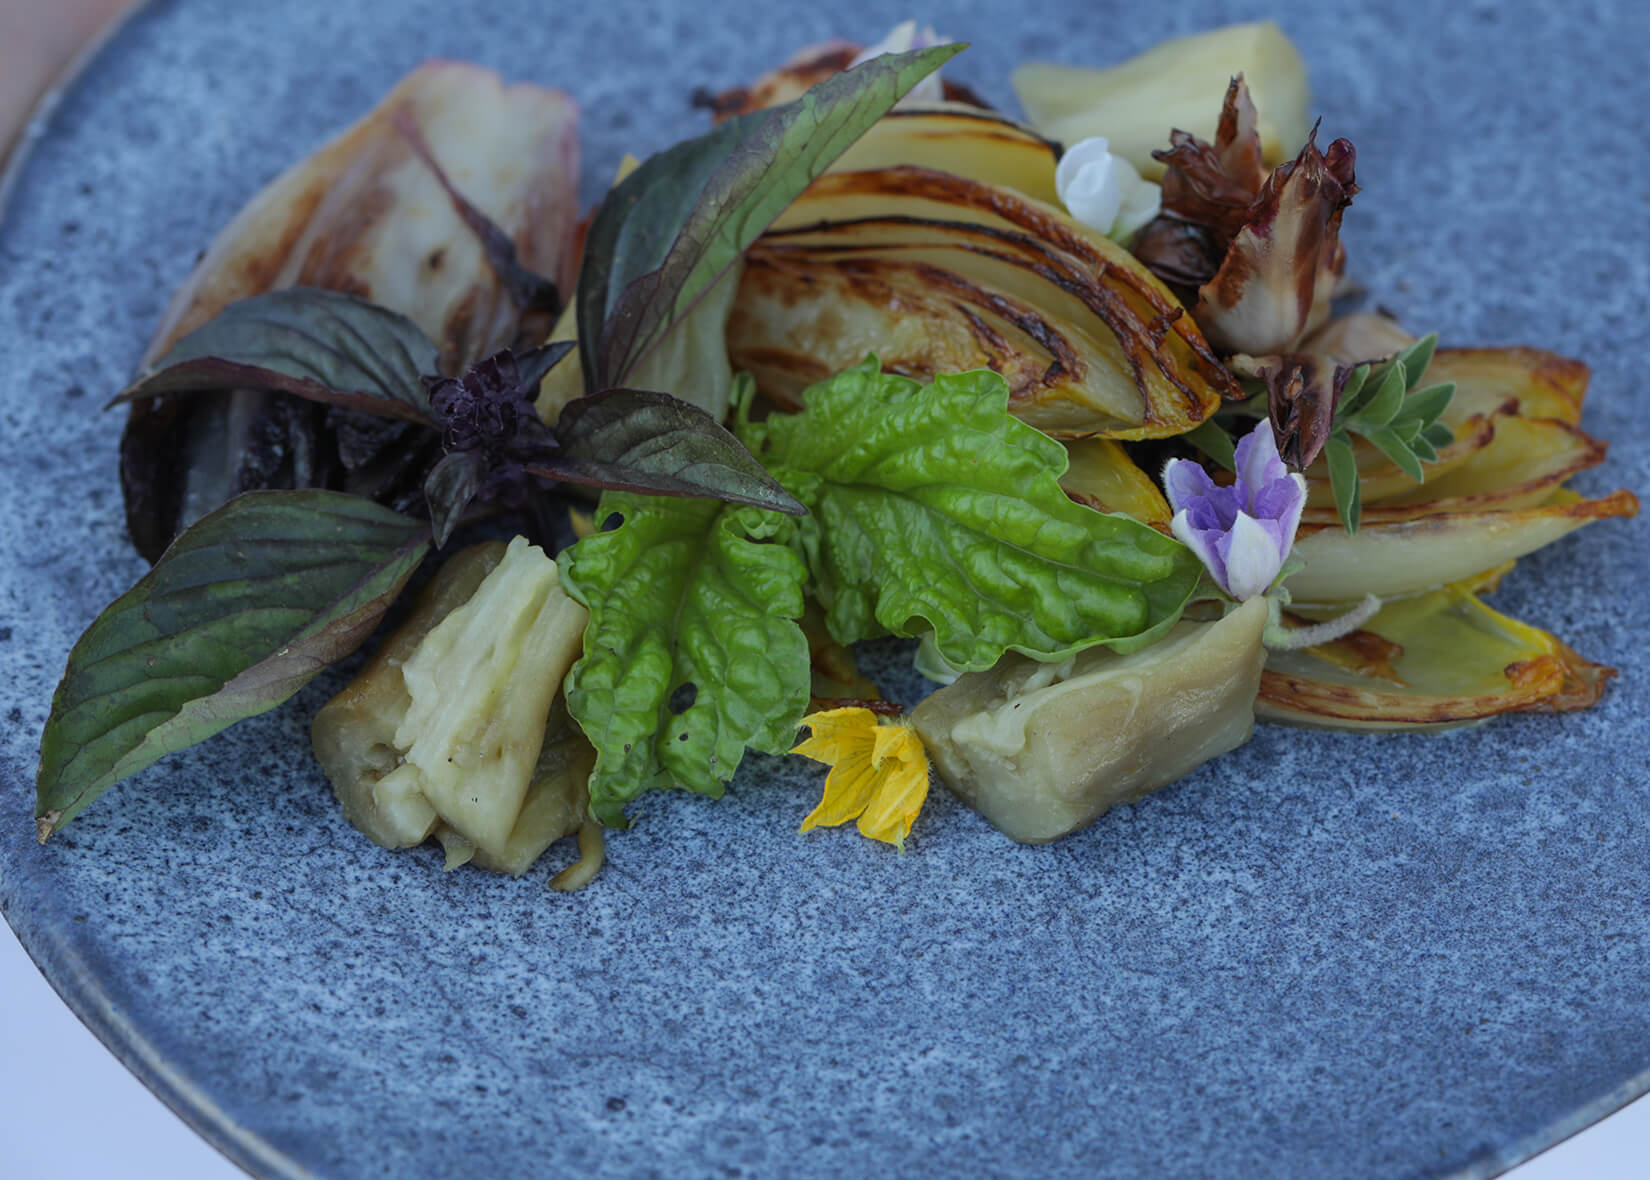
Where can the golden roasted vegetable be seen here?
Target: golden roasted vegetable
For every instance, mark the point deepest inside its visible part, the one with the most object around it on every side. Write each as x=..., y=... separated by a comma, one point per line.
x=1102, y=476
x=1407, y=557
x=450, y=730
x=937, y=273
x=1041, y=750
x=1437, y=660
x=1176, y=85
x=1543, y=384
x=964, y=140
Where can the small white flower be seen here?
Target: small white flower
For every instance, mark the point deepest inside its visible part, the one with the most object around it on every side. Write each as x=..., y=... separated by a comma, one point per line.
x=903, y=38
x=1104, y=191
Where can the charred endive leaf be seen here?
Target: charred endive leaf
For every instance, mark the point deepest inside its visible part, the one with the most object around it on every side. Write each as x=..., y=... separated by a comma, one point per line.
x=1424, y=552
x=1174, y=85
x=963, y=140
x=693, y=653
x=241, y=612
x=1440, y=659
x=940, y=273
x=668, y=230
x=931, y=509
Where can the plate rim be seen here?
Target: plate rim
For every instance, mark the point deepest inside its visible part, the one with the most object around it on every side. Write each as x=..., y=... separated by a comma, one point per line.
x=77, y=985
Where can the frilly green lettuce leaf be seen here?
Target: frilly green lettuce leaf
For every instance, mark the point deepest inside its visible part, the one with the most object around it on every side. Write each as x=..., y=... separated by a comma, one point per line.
x=693, y=652
x=932, y=509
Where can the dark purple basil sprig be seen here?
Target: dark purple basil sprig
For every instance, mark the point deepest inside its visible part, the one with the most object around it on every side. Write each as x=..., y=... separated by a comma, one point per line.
x=353, y=355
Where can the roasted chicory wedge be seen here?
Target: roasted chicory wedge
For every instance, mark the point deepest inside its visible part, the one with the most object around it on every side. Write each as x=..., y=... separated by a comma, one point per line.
x=1407, y=557
x=1174, y=85
x=936, y=273
x=1440, y=659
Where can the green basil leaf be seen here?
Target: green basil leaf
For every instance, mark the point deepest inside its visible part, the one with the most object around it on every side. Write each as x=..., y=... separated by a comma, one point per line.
x=244, y=608
x=1343, y=480
x=931, y=508
x=633, y=440
x=669, y=229
x=324, y=346
x=692, y=652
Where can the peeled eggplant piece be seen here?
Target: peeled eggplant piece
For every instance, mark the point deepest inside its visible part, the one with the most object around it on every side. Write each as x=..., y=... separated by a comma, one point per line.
x=455, y=729
x=366, y=215
x=1041, y=750
x=963, y=140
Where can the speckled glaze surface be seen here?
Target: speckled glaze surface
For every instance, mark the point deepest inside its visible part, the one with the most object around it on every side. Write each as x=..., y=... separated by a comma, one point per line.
x=1321, y=955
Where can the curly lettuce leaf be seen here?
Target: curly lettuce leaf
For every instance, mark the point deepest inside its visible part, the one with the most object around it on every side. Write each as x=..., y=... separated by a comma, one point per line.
x=931, y=509
x=693, y=653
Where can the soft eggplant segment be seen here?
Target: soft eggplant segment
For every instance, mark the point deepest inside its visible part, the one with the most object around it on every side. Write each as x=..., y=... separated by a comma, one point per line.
x=1041, y=750
x=368, y=215
x=455, y=729
x=934, y=272
x=1436, y=660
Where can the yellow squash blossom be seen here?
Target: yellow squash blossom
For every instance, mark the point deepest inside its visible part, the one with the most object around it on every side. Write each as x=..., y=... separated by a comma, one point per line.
x=879, y=773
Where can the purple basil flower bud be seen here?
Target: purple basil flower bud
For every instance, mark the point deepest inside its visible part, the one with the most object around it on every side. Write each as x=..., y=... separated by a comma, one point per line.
x=1242, y=533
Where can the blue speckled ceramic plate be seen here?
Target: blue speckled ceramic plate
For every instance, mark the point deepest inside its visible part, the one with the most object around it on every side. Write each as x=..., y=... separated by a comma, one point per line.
x=1323, y=955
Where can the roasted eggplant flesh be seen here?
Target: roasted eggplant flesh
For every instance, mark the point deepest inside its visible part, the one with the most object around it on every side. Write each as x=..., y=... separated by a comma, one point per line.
x=1041, y=750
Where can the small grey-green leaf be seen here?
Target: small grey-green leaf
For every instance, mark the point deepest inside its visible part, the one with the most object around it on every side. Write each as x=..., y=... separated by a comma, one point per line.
x=1343, y=481
x=243, y=609
x=1424, y=405
x=1424, y=451
x=1354, y=393
x=1393, y=447
x=1417, y=357
x=1438, y=434
x=1389, y=397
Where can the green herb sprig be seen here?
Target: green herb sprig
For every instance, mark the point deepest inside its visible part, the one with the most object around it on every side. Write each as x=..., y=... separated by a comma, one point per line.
x=1384, y=406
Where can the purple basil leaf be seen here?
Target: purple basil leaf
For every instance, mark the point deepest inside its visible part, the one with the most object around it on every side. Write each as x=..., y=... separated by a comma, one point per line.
x=636, y=441
x=241, y=612
x=324, y=346
x=450, y=486
x=667, y=232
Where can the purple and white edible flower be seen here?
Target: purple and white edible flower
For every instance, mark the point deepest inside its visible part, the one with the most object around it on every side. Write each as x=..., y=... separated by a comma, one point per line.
x=1242, y=533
